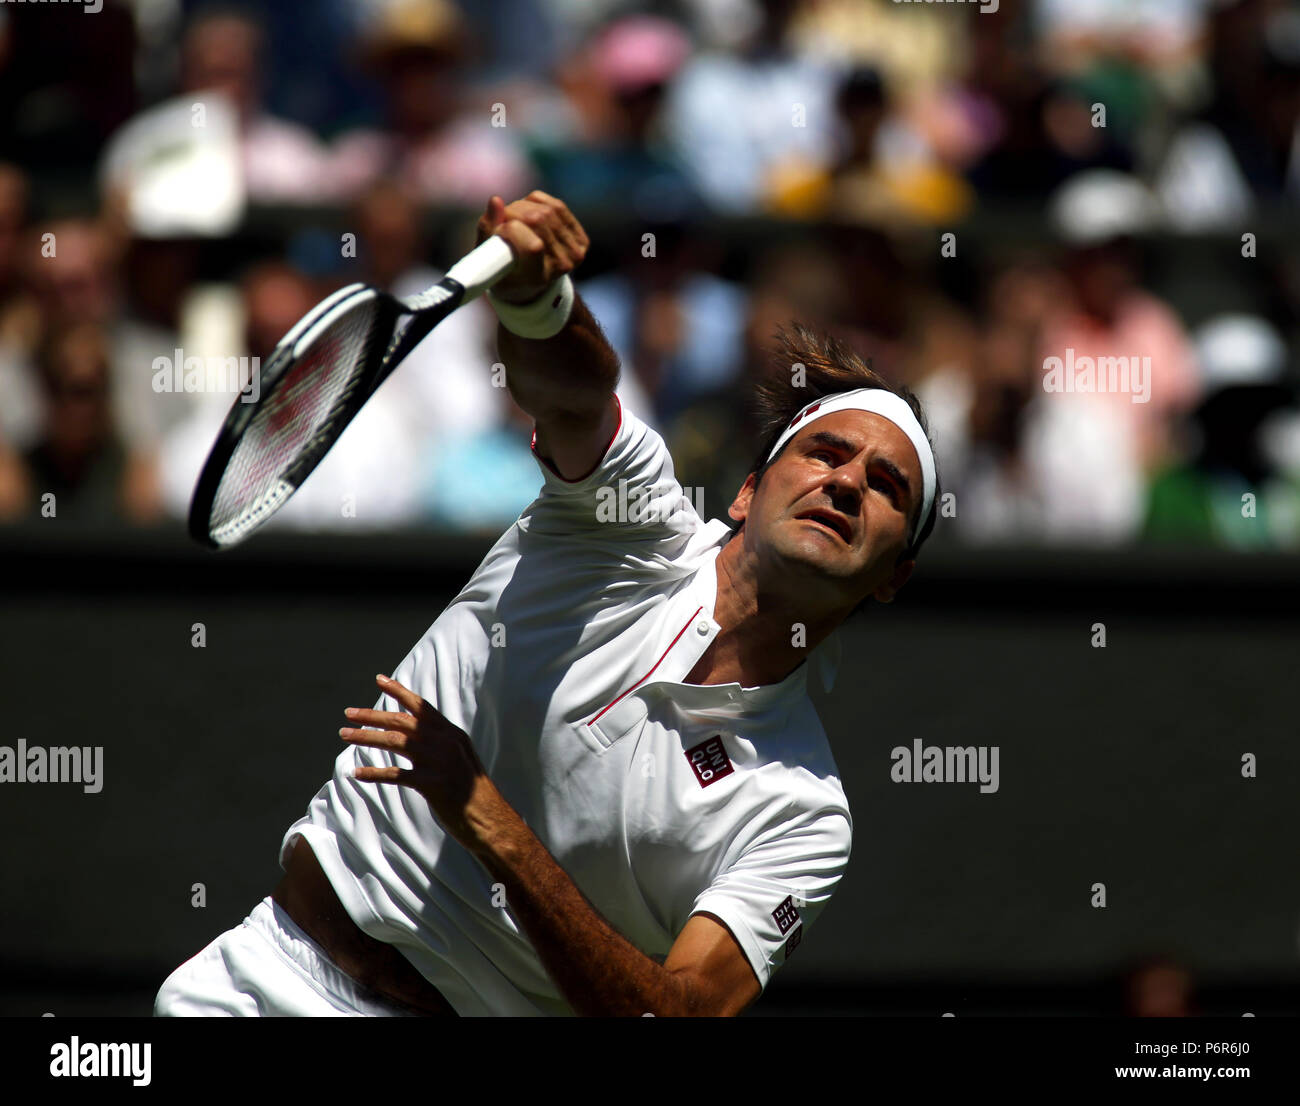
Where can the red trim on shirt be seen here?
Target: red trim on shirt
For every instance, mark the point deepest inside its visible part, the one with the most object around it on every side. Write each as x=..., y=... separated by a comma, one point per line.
x=656, y=664
x=532, y=445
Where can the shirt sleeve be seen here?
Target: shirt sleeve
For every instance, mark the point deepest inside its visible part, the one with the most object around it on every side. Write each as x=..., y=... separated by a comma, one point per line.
x=779, y=884
x=631, y=494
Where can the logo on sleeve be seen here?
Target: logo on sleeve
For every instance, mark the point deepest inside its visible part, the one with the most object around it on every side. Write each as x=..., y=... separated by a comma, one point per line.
x=786, y=915
x=709, y=761
x=792, y=942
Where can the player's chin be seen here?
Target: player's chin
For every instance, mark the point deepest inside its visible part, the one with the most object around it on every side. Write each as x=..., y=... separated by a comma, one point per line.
x=818, y=554
x=819, y=539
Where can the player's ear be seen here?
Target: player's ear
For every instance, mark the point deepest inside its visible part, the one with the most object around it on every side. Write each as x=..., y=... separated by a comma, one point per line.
x=739, y=508
x=886, y=592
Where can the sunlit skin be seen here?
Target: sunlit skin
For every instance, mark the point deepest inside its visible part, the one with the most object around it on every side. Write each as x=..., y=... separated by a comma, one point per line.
x=781, y=569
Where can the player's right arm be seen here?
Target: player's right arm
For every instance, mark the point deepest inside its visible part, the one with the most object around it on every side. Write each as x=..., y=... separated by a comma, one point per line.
x=566, y=382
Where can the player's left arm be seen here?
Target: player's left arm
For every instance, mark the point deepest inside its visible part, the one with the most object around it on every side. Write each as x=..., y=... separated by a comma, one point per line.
x=596, y=968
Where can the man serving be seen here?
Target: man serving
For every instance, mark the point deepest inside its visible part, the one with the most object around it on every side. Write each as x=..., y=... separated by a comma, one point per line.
x=597, y=785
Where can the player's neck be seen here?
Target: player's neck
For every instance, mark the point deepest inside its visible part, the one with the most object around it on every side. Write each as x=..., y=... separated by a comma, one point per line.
x=754, y=647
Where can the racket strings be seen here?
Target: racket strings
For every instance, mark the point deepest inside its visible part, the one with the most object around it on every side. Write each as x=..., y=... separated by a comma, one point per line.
x=295, y=423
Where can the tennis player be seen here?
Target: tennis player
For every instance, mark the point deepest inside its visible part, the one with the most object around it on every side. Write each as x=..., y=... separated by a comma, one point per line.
x=597, y=785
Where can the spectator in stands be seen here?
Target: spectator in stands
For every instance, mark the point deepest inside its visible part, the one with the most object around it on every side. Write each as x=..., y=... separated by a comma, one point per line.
x=79, y=458
x=15, y=484
x=1135, y=58
x=390, y=239
x=1243, y=147
x=19, y=327
x=876, y=313
x=878, y=171
x=913, y=46
x=69, y=268
x=612, y=144
x=479, y=483
x=434, y=140
x=978, y=395
x=673, y=322
x=134, y=291
x=964, y=110
x=1095, y=445
x=1051, y=135
x=17, y=312
x=19, y=315
x=65, y=85
x=275, y=296
x=735, y=117
x=1157, y=986
x=283, y=162
x=1159, y=36
x=1232, y=490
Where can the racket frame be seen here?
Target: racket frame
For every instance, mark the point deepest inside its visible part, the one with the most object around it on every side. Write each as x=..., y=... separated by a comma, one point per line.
x=385, y=348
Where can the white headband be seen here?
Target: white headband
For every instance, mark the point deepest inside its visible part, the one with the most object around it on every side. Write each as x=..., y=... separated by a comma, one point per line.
x=875, y=401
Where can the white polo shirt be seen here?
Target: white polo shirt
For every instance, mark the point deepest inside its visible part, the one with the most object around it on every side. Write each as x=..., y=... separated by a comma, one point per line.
x=563, y=659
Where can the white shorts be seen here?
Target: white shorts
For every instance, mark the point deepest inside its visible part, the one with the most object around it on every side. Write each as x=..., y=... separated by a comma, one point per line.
x=267, y=968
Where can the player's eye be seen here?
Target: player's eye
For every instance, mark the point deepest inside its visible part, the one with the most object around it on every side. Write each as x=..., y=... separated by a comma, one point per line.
x=890, y=489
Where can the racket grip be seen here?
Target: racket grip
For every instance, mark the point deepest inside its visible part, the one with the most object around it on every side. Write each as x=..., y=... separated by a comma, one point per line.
x=483, y=266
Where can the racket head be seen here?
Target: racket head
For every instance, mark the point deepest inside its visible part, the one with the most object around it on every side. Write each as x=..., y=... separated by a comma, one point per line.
x=316, y=379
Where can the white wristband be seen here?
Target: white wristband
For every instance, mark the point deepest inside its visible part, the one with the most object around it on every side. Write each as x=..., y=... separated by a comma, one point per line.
x=543, y=317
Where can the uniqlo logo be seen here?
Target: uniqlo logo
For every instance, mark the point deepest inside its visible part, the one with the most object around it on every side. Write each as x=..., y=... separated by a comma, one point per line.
x=710, y=761
x=785, y=915
x=792, y=942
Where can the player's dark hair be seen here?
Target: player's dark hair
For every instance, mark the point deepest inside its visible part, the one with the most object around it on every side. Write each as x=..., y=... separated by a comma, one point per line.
x=829, y=367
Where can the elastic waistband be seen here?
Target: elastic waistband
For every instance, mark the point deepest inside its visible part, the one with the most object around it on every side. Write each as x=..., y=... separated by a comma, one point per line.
x=272, y=921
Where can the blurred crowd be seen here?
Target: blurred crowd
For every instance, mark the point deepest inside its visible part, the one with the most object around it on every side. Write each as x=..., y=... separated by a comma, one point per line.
x=742, y=163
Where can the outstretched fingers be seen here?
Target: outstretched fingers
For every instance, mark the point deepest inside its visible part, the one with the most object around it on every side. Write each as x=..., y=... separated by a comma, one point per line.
x=404, y=695
x=391, y=740
x=375, y=774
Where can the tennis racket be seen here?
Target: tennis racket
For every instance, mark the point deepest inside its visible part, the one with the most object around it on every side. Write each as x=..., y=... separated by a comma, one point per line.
x=317, y=378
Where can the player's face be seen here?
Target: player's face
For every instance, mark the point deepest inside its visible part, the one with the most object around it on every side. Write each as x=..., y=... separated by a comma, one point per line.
x=860, y=473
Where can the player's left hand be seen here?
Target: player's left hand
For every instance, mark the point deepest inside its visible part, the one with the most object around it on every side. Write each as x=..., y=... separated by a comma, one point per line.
x=445, y=769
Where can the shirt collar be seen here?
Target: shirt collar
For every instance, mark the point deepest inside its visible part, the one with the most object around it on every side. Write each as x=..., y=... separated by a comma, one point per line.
x=693, y=617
